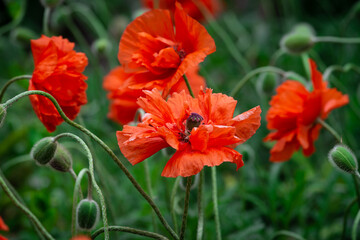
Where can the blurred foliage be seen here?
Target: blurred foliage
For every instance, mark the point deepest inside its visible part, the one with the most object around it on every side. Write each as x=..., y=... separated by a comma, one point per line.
x=303, y=195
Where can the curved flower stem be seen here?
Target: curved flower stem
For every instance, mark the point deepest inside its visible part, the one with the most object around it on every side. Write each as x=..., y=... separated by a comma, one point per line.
x=233, y=50
x=172, y=202
x=25, y=210
x=330, y=129
x=251, y=74
x=355, y=226
x=215, y=203
x=186, y=207
x=129, y=230
x=46, y=20
x=188, y=85
x=200, y=226
x=75, y=198
x=347, y=67
x=347, y=210
x=105, y=147
x=330, y=39
x=8, y=83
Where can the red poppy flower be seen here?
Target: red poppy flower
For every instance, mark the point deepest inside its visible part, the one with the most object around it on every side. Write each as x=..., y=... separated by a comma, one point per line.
x=3, y=227
x=293, y=115
x=123, y=99
x=159, y=53
x=214, y=6
x=58, y=71
x=202, y=130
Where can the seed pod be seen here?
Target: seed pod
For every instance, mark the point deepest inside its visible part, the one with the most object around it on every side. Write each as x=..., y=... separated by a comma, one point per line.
x=194, y=120
x=62, y=160
x=343, y=158
x=44, y=150
x=87, y=214
x=299, y=40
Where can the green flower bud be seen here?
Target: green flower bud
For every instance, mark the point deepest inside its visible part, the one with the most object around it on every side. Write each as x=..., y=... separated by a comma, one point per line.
x=299, y=40
x=101, y=46
x=87, y=214
x=51, y=3
x=343, y=158
x=2, y=114
x=22, y=35
x=44, y=150
x=266, y=83
x=62, y=160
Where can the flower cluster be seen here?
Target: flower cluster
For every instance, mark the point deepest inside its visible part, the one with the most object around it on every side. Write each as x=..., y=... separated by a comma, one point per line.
x=294, y=112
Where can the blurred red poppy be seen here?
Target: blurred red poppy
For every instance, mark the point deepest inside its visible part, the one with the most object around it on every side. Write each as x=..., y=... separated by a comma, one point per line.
x=58, y=71
x=81, y=237
x=158, y=53
x=214, y=6
x=202, y=130
x=3, y=227
x=293, y=115
x=123, y=99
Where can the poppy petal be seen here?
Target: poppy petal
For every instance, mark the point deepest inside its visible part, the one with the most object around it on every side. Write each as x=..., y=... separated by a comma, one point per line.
x=247, y=123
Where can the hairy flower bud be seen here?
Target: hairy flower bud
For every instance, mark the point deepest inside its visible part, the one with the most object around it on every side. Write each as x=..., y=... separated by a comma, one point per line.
x=44, y=150
x=266, y=83
x=101, y=46
x=62, y=160
x=2, y=114
x=343, y=158
x=22, y=36
x=299, y=40
x=87, y=214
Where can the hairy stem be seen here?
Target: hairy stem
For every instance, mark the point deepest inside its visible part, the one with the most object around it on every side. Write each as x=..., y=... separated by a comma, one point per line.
x=8, y=83
x=186, y=207
x=215, y=203
x=330, y=39
x=200, y=226
x=129, y=230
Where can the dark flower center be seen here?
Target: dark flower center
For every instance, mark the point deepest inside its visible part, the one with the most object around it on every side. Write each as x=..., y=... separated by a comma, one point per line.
x=181, y=52
x=194, y=120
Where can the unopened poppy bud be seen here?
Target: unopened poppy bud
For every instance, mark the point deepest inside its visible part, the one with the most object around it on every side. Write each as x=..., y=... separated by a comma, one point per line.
x=22, y=35
x=2, y=114
x=194, y=120
x=87, y=214
x=266, y=83
x=51, y=3
x=44, y=150
x=62, y=161
x=101, y=46
x=343, y=158
x=298, y=41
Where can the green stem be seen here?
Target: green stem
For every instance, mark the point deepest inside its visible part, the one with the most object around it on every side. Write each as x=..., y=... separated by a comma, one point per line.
x=223, y=35
x=129, y=230
x=186, y=207
x=215, y=203
x=251, y=74
x=8, y=83
x=355, y=226
x=188, y=86
x=77, y=189
x=105, y=147
x=46, y=21
x=92, y=175
x=25, y=210
x=330, y=129
x=200, y=226
x=286, y=233
x=305, y=61
x=347, y=67
x=172, y=202
x=347, y=210
x=357, y=187
x=330, y=39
